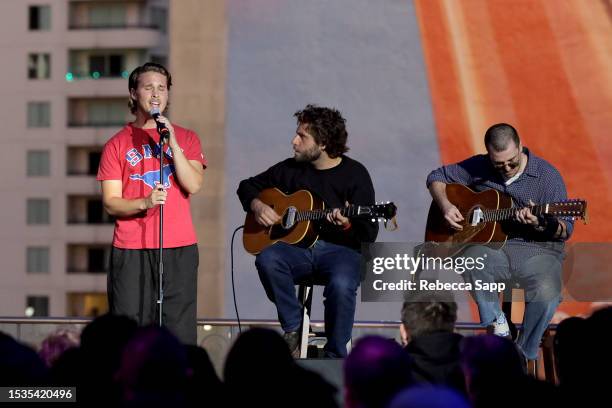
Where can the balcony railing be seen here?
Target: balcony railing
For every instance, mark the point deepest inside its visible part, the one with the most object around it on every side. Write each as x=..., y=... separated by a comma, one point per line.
x=79, y=74
x=89, y=123
x=111, y=26
x=93, y=271
x=106, y=220
x=80, y=173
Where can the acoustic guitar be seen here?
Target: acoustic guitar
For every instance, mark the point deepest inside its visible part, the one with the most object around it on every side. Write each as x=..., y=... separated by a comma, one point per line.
x=483, y=212
x=299, y=212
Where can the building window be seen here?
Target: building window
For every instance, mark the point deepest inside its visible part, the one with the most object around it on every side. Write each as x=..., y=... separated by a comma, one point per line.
x=107, y=15
x=95, y=212
x=87, y=258
x=37, y=260
x=159, y=18
x=111, y=65
x=39, y=66
x=40, y=18
x=97, y=260
x=38, y=211
x=89, y=304
x=39, y=114
x=106, y=113
x=94, y=162
x=37, y=306
x=160, y=59
x=83, y=160
x=38, y=163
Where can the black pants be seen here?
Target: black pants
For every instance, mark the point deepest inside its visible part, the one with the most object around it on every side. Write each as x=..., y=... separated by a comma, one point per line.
x=133, y=288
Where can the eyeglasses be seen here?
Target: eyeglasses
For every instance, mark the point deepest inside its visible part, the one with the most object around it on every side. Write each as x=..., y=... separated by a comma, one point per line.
x=512, y=163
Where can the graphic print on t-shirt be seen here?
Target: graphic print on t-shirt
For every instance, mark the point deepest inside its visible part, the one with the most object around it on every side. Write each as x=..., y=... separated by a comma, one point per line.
x=151, y=177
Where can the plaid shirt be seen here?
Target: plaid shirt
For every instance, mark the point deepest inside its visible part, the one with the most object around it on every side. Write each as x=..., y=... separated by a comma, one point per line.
x=540, y=182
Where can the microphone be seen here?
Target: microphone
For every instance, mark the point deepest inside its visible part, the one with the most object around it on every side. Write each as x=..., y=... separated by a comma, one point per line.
x=163, y=131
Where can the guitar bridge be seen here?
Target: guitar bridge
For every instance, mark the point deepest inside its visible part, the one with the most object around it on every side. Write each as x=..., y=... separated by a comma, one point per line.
x=477, y=217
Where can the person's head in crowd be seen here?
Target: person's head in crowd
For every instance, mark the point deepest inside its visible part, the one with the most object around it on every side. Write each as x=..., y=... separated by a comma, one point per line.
x=256, y=367
x=374, y=371
x=55, y=344
x=420, y=318
x=320, y=394
x=153, y=370
x=202, y=378
x=20, y=365
x=260, y=371
x=601, y=322
x=72, y=369
x=488, y=359
x=255, y=352
x=105, y=337
x=427, y=331
x=102, y=344
x=599, y=340
x=495, y=375
x=571, y=342
x=429, y=396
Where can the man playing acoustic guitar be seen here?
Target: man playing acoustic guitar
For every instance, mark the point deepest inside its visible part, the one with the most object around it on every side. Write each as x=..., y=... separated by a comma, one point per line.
x=320, y=166
x=533, y=252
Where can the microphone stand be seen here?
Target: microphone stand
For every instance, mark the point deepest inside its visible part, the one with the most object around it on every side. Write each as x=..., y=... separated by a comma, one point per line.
x=160, y=267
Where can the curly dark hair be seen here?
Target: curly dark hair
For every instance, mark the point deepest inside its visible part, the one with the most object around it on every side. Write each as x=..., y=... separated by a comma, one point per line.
x=147, y=67
x=327, y=127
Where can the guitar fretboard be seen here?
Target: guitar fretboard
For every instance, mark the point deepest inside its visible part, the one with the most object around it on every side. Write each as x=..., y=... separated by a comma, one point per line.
x=314, y=215
x=504, y=214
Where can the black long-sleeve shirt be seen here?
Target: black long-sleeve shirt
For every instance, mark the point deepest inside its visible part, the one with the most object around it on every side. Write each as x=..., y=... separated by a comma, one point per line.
x=348, y=181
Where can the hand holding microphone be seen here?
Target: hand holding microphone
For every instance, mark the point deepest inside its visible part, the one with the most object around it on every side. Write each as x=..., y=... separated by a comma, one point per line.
x=162, y=129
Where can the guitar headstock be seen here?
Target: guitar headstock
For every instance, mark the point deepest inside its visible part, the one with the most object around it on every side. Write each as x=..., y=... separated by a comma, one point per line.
x=575, y=208
x=379, y=212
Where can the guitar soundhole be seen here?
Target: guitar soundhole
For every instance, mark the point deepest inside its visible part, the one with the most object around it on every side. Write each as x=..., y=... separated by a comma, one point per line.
x=278, y=231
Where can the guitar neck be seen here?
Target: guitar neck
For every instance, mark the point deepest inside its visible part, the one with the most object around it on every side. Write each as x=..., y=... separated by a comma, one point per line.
x=351, y=211
x=504, y=214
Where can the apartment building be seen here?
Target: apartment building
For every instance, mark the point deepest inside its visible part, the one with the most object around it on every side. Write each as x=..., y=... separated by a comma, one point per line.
x=64, y=93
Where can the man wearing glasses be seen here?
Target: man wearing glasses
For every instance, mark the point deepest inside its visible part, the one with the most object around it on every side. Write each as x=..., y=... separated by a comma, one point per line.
x=533, y=254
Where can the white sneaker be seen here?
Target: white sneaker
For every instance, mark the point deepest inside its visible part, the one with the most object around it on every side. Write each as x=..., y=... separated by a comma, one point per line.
x=500, y=326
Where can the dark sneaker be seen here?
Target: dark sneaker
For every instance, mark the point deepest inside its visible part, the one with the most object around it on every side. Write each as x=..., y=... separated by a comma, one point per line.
x=293, y=341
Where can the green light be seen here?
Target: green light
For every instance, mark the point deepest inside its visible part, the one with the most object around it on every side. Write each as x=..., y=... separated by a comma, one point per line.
x=69, y=77
x=95, y=75
x=125, y=74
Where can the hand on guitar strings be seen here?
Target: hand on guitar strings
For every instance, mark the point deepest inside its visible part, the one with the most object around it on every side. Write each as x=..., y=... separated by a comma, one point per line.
x=524, y=216
x=336, y=217
x=453, y=216
x=264, y=214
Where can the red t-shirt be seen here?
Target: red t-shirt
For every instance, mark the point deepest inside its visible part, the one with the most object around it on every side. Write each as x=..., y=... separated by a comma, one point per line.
x=132, y=156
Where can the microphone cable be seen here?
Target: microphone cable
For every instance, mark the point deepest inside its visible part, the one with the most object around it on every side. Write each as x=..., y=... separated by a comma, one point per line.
x=232, y=275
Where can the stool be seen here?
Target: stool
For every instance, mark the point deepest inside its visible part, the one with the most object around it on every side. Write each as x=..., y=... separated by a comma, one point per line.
x=305, y=299
x=305, y=291
x=545, y=344
x=507, y=306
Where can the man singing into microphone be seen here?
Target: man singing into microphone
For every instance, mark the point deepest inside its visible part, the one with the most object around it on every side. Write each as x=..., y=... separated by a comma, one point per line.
x=132, y=193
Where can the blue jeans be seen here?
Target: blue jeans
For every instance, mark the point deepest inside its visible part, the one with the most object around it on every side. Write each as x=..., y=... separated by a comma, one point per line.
x=539, y=276
x=281, y=266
